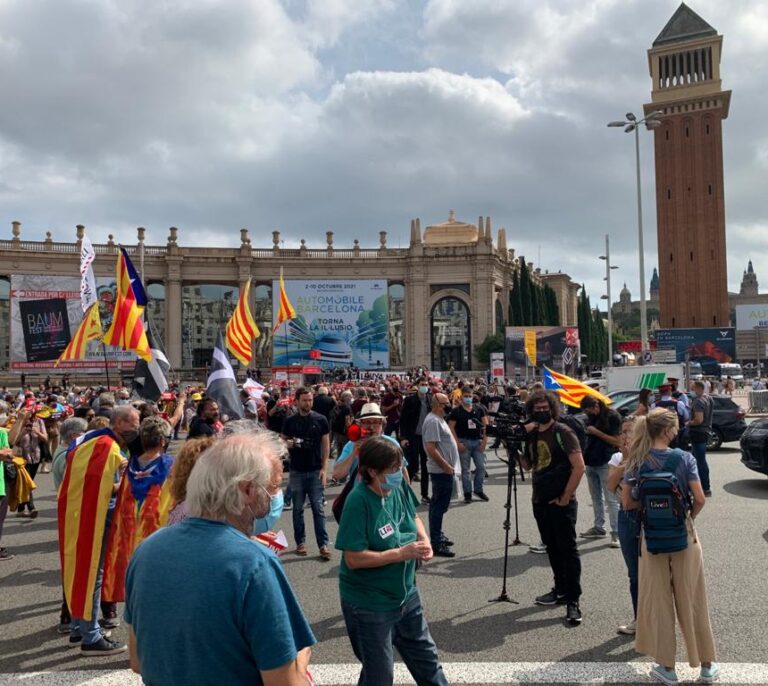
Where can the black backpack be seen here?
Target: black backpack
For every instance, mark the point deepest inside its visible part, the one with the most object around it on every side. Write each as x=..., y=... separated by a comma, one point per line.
x=575, y=424
x=663, y=508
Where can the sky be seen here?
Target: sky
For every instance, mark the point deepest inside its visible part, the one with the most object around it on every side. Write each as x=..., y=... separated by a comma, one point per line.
x=357, y=115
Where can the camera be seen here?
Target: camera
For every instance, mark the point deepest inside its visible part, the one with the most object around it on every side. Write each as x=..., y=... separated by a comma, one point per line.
x=509, y=422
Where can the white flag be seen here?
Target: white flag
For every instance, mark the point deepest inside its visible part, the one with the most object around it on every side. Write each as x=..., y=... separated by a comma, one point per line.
x=87, y=280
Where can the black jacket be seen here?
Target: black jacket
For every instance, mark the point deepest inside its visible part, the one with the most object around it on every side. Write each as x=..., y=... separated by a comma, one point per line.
x=409, y=414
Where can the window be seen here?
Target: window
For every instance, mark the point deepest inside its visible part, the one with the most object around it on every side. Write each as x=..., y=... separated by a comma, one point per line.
x=451, y=344
x=204, y=310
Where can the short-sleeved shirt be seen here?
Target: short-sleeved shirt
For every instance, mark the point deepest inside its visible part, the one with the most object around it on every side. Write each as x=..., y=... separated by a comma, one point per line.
x=349, y=447
x=598, y=452
x=310, y=429
x=199, y=428
x=435, y=430
x=703, y=404
x=370, y=522
x=203, y=581
x=470, y=424
x=393, y=414
x=687, y=469
x=547, y=455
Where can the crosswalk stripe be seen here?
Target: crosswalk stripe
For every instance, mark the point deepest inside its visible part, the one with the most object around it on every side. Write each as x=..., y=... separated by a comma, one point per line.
x=455, y=672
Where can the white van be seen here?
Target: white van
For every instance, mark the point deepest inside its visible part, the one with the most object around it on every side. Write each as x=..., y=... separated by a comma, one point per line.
x=731, y=369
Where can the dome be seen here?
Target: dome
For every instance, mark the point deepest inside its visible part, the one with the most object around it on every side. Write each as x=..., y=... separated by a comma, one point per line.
x=451, y=232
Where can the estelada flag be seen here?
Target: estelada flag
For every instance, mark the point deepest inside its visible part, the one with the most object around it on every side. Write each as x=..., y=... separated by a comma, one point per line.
x=89, y=330
x=570, y=391
x=143, y=503
x=285, y=311
x=241, y=329
x=84, y=495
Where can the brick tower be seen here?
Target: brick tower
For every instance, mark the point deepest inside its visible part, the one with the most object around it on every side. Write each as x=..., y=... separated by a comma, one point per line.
x=685, y=69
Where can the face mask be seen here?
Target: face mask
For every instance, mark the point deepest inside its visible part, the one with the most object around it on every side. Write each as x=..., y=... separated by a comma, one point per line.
x=423, y=390
x=263, y=524
x=392, y=481
x=129, y=436
x=467, y=400
x=542, y=416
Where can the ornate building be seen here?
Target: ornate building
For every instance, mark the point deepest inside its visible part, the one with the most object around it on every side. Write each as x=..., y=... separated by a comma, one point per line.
x=684, y=66
x=448, y=289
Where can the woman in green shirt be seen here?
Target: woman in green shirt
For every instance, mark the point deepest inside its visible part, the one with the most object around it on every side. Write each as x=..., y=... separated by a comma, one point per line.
x=381, y=539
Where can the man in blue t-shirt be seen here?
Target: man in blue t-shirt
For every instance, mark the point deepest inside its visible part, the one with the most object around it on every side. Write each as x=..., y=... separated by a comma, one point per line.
x=205, y=603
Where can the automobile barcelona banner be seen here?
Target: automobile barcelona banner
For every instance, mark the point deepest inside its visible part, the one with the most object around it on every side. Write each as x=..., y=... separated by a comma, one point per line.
x=45, y=313
x=337, y=324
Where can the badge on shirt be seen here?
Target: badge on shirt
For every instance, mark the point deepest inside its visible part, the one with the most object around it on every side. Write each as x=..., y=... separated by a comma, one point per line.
x=471, y=424
x=386, y=531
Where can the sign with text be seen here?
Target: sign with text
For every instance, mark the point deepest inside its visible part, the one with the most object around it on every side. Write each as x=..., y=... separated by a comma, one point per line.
x=497, y=365
x=750, y=316
x=550, y=344
x=709, y=347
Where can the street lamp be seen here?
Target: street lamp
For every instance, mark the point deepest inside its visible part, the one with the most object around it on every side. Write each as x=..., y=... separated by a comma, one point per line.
x=631, y=123
x=607, y=296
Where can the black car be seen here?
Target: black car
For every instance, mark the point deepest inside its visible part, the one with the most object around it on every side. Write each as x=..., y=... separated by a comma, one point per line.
x=754, y=446
x=727, y=419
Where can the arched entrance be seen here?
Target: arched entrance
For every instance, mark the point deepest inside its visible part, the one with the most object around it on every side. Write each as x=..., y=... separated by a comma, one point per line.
x=451, y=340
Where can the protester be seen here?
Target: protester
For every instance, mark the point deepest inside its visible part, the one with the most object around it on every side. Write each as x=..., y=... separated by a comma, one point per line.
x=381, y=538
x=468, y=423
x=670, y=584
x=29, y=442
x=416, y=407
x=341, y=418
x=442, y=464
x=206, y=417
x=390, y=405
x=182, y=468
x=699, y=428
x=307, y=435
x=371, y=422
x=6, y=455
x=323, y=403
x=205, y=578
x=603, y=430
x=554, y=454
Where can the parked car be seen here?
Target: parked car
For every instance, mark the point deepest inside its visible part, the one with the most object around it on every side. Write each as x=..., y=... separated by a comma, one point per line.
x=754, y=446
x=727, y=418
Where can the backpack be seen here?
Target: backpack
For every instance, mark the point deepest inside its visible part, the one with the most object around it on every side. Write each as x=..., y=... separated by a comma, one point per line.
x=576, y=425
x=663, y=508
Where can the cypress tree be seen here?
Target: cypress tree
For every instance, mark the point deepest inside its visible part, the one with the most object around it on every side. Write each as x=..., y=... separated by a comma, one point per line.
x=525, y=294
x=515, y=302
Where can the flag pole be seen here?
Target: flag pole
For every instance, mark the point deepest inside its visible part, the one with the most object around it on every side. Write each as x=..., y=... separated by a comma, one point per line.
x=106, y=366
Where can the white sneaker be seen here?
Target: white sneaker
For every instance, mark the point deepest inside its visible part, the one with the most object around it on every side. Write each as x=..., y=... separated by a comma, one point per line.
x=615, y=541
x=628, y=629
x=539, y=548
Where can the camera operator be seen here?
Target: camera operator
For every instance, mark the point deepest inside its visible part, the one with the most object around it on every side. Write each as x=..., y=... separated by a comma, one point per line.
x=307, y=435
x=553, y=451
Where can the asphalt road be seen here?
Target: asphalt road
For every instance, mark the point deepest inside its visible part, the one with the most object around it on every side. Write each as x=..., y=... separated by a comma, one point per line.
x=471, y=633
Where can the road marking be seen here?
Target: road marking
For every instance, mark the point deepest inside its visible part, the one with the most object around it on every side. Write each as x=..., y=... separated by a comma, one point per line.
x=455, y=672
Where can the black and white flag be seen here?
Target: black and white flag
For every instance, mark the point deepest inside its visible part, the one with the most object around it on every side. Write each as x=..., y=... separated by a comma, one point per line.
x=222, y=385
x=150, y=379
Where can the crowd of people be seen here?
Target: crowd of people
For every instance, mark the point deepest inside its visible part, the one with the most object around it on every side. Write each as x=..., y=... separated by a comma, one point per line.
x=141, y=526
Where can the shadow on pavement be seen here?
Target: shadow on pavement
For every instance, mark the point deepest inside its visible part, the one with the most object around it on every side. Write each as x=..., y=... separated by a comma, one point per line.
x=749, y=488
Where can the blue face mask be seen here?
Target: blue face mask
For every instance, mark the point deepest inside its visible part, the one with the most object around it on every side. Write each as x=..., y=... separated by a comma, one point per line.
x=264, y=524
x=467, y=401
x=392, y=481
x=423, y=390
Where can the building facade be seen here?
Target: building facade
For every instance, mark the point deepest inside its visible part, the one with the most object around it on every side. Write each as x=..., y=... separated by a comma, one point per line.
x=684, y=66
x=447, y=290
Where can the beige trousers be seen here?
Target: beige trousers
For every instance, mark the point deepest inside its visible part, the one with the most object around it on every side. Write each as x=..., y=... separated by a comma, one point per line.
x=673, y=585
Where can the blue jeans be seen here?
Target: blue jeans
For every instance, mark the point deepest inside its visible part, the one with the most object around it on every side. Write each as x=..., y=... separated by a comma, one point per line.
x=472, y=452
x=597, y=480
x=699, y=451
x=374, y=635
x=88, y=628
x=305, y=484
x=442, y=490
x=629, y=538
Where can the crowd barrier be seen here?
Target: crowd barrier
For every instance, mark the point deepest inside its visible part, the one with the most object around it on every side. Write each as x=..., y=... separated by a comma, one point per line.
x=758, y=401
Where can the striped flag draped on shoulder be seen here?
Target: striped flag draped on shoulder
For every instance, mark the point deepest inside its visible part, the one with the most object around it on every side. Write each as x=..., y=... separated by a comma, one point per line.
x=241, y=329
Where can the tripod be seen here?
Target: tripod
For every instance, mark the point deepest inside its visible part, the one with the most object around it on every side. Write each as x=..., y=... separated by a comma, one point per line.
x=512, y=462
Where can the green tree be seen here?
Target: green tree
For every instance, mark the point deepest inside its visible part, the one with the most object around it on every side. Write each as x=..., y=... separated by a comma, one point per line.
x=493, y=343
x=526, y=293
x=515, y=302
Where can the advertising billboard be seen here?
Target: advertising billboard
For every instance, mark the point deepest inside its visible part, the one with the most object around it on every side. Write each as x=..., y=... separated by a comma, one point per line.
x=709, y=347
x=750, y=316
x=337, y=324
x=556, y=347
x=45, y=313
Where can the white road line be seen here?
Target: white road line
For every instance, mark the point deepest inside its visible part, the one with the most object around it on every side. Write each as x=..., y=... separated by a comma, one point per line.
x=456, y=673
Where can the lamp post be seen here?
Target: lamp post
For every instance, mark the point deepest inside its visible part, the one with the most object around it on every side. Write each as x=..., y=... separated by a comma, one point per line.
x=632, y=123
x=607, y=296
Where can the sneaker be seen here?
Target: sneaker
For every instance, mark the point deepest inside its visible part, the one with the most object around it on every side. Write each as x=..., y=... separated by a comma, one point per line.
x=103, y=647
x=75, y=639
x=615, y=541
x=33, y=514
x=443, y=551
x=446, y=541
x=708, y=494
x=628, y=629
x=482, y=496
x=426, y=500
x=415, y=478
x=64, y=628
x=594, y=532
x=538, y=548
x=468, y=498
x=287, y=506
x=5, y=555
x=551, y=598
x=110, y=622
x=708, y=675
x=573, y=614
x=22, y=514
x=665, y=676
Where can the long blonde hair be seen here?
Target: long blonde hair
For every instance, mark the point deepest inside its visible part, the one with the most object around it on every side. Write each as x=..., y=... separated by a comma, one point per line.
x=648, y=428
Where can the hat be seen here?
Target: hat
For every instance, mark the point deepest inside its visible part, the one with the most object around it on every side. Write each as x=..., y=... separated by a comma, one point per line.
x=197, y=396
x=672, y=379
x=666, y=386
x=371, y=411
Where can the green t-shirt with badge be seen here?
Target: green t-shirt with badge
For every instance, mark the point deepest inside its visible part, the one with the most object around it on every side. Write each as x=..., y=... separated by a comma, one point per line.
x=370, y=522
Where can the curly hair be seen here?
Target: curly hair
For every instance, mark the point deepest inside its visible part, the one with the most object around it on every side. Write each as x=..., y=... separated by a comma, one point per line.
x=182, y=466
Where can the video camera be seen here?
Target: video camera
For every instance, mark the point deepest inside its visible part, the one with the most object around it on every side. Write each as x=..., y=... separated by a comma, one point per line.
x=509, y=421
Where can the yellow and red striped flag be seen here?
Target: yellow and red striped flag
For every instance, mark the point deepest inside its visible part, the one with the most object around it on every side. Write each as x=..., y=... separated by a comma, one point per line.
x=241, y=329
x=82, y=508
x=570, y=391
x=89, y=329
x=127, y=328
x=285, y=311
